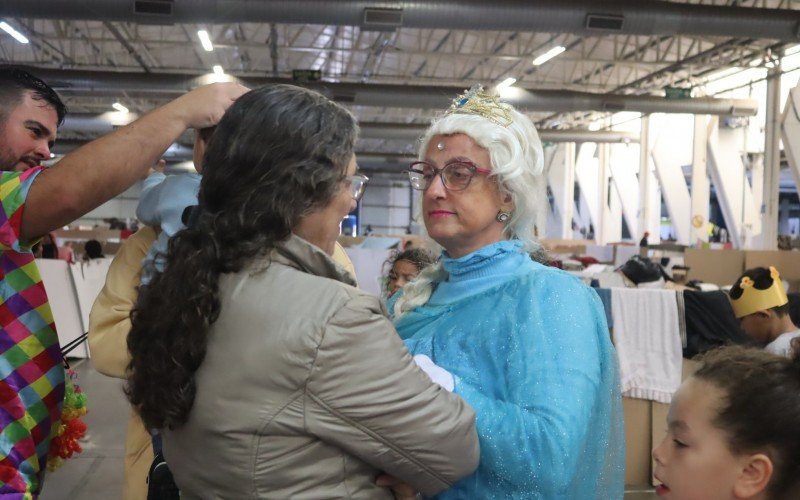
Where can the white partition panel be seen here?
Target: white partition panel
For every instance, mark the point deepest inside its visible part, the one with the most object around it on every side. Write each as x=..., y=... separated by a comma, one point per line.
x=63, y=299
x=586, y=168
x=732, y=187
x=668, y=165
x=560, y=172
x=790, y=133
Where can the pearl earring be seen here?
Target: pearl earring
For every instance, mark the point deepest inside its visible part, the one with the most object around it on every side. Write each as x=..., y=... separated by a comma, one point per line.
x=502, y=216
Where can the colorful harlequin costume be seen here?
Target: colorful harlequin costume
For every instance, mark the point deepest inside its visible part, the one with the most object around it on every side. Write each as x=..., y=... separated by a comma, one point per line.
x=31, y=371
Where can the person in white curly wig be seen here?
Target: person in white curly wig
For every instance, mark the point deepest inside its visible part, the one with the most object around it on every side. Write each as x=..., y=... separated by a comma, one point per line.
x=525, y=345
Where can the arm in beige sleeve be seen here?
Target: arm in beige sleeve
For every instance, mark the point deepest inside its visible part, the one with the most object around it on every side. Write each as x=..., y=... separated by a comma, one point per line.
x=366, y=396
x=109, y=320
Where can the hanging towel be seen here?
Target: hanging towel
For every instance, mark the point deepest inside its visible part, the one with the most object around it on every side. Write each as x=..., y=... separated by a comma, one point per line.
x=647, y=338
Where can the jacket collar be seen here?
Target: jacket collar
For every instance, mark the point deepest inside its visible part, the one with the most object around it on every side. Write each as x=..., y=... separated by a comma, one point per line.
x=298, y=253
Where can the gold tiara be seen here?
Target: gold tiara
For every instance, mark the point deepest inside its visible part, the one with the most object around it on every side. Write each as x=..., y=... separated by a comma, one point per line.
x=477, y=102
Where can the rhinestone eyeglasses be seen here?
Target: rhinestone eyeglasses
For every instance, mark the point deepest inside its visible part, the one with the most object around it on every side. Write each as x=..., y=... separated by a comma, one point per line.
x=455, y=176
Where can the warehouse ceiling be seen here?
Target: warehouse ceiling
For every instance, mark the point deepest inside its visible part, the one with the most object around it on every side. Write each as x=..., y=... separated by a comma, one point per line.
x=624, y=53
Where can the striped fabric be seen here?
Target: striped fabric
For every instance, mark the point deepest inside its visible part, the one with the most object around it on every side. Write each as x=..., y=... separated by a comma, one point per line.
x=31, y=368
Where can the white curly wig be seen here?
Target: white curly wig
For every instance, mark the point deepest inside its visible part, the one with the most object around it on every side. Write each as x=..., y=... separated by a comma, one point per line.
x=517, y=163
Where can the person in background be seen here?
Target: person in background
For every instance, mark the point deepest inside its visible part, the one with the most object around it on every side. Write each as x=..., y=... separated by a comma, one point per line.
x=163, y=201
x=109, y=324
x=526, y=345
x=49, y=247
x=760, y=303
x=732, y=429
x=323, y=395
x=643, y=242
x=404, y=266
x=92, y=249
x=37, y=200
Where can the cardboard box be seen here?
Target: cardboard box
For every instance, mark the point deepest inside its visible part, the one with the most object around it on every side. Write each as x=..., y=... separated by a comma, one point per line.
x=721, y=267
x=638, y=438
x=787, y=262
x=645, y=427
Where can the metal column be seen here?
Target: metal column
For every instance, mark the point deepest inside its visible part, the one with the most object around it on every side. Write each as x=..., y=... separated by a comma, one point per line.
x=701, y=191
x=644, y=178
x=772, y=161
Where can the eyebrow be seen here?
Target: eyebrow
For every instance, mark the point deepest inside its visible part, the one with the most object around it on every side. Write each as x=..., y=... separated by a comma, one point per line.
x=47, y=132
x=678, y=425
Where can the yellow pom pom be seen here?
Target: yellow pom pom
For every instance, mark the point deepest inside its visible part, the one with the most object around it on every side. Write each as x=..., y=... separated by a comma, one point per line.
x=746, y=282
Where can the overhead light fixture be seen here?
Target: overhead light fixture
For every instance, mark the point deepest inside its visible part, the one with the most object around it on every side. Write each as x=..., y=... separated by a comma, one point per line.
x=119, y=107
x=218, y=70
x=506, y=83
x=548, y=55
x=11, y=31
x=205, y=40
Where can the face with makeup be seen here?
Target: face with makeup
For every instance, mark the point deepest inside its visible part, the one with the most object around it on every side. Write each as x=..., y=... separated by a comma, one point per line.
x=462, y=221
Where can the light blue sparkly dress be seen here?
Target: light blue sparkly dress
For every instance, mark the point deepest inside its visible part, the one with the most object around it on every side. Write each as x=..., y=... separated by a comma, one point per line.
x=530, y=351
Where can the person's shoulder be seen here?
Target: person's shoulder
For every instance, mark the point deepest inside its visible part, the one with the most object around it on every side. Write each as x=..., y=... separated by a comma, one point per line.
x=552, y=277
x=13, y=182
x=183, y=181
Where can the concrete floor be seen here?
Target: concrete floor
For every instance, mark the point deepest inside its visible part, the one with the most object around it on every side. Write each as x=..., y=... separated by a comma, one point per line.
x=96, y=474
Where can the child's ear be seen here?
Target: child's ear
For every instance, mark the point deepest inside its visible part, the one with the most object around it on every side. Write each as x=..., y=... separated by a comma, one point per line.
x=763, y=314
x=754, y=477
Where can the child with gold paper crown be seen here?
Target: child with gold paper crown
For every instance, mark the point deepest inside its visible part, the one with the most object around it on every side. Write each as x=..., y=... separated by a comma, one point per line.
x=759, y=302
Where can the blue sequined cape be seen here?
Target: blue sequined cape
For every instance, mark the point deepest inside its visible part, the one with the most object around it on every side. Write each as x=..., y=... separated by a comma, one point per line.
x=530, y=351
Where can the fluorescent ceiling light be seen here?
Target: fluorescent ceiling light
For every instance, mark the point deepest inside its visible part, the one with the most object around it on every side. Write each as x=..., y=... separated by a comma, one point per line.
x=218, y=70
x=11, y=31
x=119, y=107
x=205, y=40
x=506, y=83
x=548, y=55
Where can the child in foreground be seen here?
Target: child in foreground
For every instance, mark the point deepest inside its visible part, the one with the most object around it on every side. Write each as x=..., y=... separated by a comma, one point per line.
x=734, y=429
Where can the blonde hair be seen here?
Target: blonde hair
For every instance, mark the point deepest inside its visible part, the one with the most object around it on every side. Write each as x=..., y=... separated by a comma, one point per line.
x=517, y=164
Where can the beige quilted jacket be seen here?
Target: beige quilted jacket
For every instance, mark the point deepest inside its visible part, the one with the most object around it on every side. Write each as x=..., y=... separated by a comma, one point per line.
x=307, y=392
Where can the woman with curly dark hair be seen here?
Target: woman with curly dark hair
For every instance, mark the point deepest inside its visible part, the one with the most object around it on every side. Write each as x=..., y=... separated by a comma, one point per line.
x=268, y=374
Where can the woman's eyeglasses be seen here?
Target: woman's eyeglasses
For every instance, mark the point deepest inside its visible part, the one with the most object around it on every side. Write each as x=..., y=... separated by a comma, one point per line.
x=455, y=176
x=357, y=183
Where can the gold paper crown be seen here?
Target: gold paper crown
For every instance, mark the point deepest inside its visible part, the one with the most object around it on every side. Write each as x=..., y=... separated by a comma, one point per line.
x=477, y=102
x=753, y=299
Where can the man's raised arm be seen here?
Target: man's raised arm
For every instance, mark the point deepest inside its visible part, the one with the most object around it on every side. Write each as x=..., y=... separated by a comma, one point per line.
x=100, y=170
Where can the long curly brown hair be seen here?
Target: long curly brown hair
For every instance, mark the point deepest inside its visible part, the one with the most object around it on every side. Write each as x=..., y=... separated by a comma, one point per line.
x=279, y=152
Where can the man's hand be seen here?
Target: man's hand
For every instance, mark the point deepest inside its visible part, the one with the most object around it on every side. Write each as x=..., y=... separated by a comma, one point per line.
x=401, y=490
x=204, y=106
x=104, y=168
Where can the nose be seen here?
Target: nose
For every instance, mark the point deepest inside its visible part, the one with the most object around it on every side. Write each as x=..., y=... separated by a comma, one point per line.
x=658, y=452
x=436, y=189
x=42, y=150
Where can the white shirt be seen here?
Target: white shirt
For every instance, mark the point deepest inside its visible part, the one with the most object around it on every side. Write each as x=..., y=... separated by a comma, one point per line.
x=782, y=345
